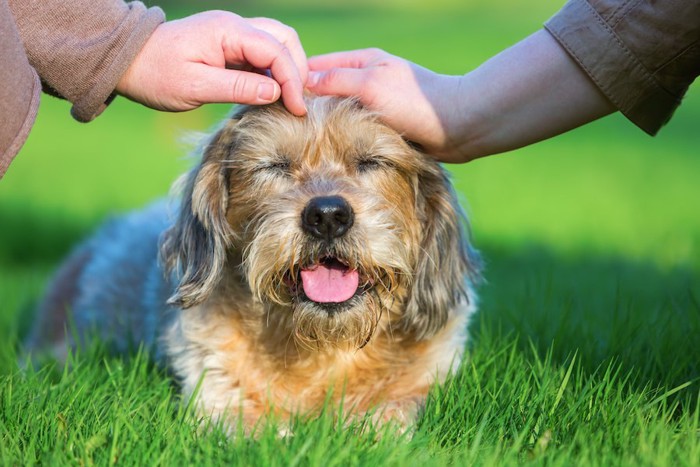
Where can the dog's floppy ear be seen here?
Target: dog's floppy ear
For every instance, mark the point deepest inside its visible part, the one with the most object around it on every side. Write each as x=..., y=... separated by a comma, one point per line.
x=194, y=249
x=446, y=260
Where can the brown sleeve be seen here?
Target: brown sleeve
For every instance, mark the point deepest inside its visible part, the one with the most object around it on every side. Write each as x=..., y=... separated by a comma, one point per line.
x=81, y=48
x=642, y=54
x=19, y=90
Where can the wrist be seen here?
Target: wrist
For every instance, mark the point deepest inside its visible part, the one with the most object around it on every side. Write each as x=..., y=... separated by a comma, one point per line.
x=457, y=117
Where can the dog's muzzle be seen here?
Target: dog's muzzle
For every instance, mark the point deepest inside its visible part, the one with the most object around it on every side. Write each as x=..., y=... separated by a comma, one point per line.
x=330, y=281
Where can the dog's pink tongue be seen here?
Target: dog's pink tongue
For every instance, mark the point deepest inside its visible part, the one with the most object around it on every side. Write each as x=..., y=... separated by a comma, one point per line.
x=329, y=283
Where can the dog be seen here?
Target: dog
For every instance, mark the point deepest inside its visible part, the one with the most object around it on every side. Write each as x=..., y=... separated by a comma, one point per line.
x=309, y=259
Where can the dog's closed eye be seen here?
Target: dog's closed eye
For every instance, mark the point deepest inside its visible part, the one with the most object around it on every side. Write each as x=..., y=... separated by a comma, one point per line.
x=370, y=162
x=279, y=165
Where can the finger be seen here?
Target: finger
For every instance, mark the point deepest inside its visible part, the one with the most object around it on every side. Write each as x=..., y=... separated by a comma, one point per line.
x=233, y=86
x=338, y=81
x=262, y=50
x=287, y=36
x=348, y=59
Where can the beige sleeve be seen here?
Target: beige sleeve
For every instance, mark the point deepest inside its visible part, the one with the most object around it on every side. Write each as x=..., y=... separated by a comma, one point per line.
x=81, y=48
x=642, y=54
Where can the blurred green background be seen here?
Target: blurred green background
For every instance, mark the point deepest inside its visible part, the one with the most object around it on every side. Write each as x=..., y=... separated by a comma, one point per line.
x=591, y=240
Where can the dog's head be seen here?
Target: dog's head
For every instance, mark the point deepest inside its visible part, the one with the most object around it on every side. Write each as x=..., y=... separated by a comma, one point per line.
x=334, y=219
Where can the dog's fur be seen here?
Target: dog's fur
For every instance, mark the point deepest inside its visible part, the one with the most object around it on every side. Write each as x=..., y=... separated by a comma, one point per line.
x=230, y=307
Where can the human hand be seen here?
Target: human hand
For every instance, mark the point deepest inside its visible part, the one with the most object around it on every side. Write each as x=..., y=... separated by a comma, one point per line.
x=218, y=56
x=529, y=92
x=413, y=100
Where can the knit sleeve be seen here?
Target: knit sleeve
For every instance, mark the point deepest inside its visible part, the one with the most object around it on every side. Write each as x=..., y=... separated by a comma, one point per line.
x=81, y=48
x=641, y=54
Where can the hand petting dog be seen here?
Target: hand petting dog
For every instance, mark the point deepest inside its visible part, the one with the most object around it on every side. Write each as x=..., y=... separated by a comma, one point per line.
x=212, y=57
x=529, y=92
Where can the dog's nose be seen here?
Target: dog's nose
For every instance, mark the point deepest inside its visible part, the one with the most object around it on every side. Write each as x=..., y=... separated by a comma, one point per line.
x=327, y=217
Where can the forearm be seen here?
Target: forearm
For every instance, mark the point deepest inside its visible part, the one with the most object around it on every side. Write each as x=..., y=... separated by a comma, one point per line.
x=641, y=56
x=529, y=92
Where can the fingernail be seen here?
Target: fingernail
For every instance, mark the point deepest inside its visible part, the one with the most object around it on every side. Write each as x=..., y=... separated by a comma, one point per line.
x=266, y=92
x=314, y=77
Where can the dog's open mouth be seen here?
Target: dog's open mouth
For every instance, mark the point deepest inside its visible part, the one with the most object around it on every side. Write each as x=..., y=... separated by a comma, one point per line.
x=329, y=281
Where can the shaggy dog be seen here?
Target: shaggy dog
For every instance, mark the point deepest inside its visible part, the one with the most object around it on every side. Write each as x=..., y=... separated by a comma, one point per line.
x=310, y=258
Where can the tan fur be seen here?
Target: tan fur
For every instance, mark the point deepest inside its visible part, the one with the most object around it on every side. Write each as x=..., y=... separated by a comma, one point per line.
x=262, y=351
x=383, y=375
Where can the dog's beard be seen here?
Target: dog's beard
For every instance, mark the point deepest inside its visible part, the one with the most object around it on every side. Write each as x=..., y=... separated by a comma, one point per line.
x=324, y=295
x=348, y=325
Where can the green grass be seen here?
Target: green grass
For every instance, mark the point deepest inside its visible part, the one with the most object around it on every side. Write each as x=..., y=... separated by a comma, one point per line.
x=587, y=346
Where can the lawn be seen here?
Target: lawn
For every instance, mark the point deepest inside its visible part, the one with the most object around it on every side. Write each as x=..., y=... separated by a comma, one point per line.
x=586, y=349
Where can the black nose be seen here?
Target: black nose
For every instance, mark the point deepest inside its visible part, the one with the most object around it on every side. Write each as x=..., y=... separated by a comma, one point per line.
x=327, y=217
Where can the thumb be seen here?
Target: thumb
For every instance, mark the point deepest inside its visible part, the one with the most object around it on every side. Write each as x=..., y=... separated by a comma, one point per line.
x=235, y=86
